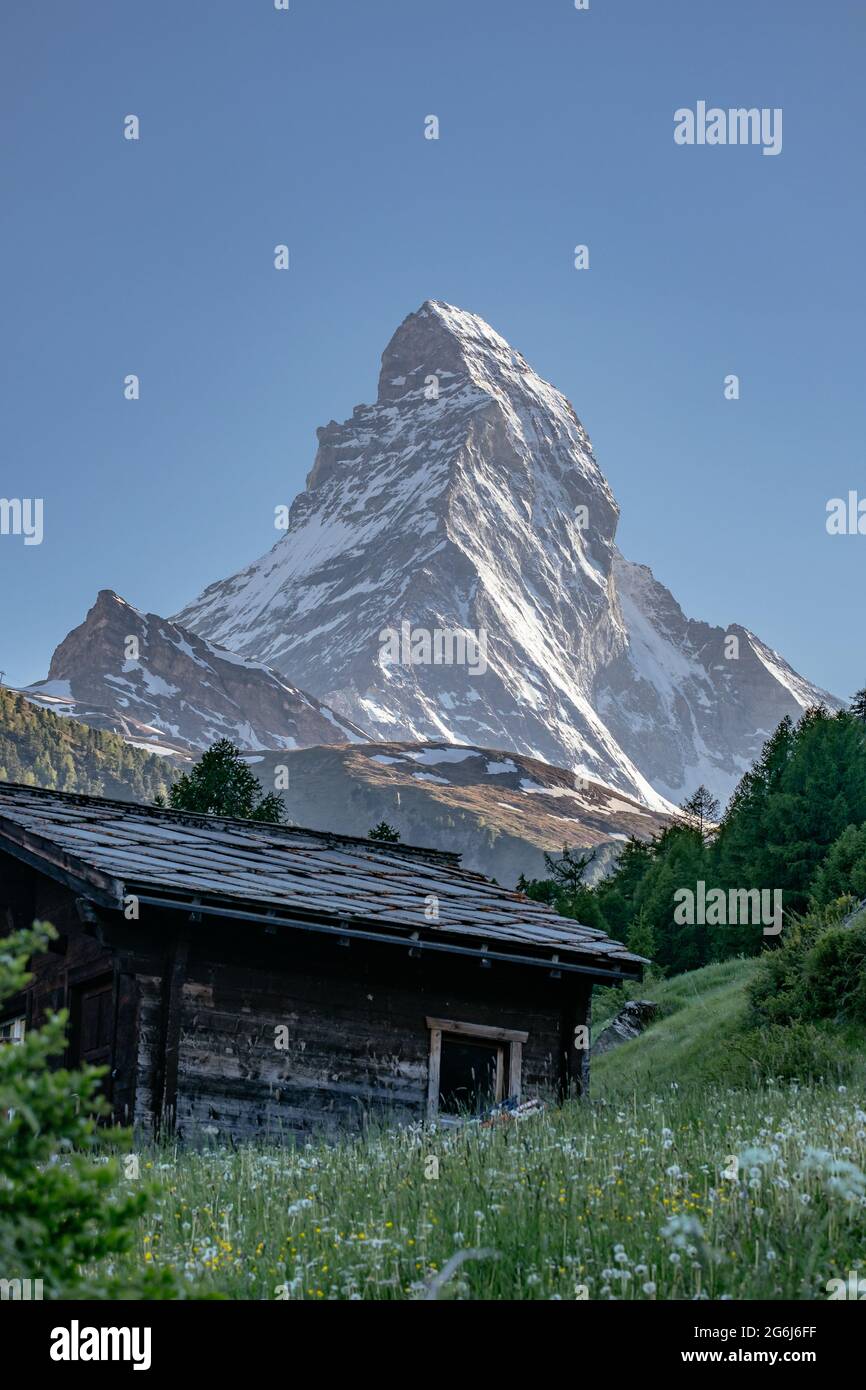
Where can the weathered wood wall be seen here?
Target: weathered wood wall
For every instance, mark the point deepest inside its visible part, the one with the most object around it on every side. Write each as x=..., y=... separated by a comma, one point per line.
x=358, y=1044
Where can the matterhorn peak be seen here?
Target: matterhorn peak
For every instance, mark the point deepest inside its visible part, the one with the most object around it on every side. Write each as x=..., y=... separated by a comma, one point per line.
x=442, y=342
x=465, y=510
x=441, y=352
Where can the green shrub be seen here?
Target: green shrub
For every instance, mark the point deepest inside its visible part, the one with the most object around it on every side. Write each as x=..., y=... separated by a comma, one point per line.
x=843, y=871
x=834, y=974
x=63, y=1204
x=799, y=1051
x=776, y=993
x=819, y=973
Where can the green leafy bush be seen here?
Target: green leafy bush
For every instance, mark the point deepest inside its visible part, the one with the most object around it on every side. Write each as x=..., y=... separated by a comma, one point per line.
x=834, y=975
x=776, y=993
x=843, y=872
x=819, y=973
x=63, y=1203
x=798, y=1051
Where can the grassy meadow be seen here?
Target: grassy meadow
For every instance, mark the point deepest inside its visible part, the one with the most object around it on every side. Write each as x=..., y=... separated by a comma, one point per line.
x=694, y=1172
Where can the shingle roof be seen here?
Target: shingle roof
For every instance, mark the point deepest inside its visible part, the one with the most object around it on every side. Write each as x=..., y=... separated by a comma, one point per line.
x=114, y=848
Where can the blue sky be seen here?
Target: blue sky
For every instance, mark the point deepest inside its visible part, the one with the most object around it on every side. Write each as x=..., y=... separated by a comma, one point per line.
x=260, y=127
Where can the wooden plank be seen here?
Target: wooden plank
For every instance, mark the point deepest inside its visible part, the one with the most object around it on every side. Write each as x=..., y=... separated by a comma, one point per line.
x=515, y=1071
x=477, y=1030
x=125, y=1048
x=499, y=1080
x=574, y=1061
x=434, y=1073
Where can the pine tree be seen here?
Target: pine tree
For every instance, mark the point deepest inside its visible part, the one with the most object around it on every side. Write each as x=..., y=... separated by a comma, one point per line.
x=740, y=853
x=821, y=791
x=222, y=784
x=702, y=807
x=567, y=872
x=641, y=937
x=680, y=859
x=540, y=890
x=581, y=904
x=858, y=705
x=617, y=893
x=384, y=832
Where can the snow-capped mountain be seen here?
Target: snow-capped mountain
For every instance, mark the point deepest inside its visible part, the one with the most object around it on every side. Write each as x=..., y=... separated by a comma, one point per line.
x=468, y=500
x=170, y=691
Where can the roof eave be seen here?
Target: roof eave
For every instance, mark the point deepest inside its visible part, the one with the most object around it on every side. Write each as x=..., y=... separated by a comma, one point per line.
x=407, y=938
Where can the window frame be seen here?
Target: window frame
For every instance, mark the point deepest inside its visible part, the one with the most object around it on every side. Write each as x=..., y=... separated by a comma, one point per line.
x=17, y=1023
x=509, y=1068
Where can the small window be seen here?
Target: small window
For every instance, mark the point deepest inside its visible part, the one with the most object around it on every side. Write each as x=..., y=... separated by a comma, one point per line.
x=472, y=1067
x=12, y=1031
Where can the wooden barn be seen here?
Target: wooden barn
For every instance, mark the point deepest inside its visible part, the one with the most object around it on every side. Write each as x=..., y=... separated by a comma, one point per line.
x=245, y=980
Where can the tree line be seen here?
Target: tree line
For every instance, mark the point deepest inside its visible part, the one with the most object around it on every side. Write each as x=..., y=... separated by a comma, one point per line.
x=796, y=823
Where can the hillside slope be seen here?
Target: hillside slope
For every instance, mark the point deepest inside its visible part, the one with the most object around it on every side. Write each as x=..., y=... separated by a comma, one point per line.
x=501, y=811
x=704, y=1037
x=42, y=750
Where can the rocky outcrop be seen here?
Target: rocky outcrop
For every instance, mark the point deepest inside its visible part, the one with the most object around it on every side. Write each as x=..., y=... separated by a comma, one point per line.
x=629, y=1023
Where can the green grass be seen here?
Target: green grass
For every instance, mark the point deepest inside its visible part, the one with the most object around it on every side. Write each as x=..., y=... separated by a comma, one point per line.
x=624, y=1199
x=704, y=1037
x=700, y=1013
x=677, y=1181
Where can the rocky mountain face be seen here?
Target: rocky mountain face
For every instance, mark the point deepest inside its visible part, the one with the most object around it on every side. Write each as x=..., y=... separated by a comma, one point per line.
x=501, y=811
x=451, y=573
x=172, y=692
x=689, y=702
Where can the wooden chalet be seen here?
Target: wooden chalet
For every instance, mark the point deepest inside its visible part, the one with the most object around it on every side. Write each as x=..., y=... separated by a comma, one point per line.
x=242, y=980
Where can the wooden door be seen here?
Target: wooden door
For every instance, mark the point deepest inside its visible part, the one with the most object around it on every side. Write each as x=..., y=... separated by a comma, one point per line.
x=93, y=1025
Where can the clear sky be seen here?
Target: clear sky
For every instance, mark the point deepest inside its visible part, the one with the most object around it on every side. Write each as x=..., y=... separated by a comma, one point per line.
x=556, y=127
